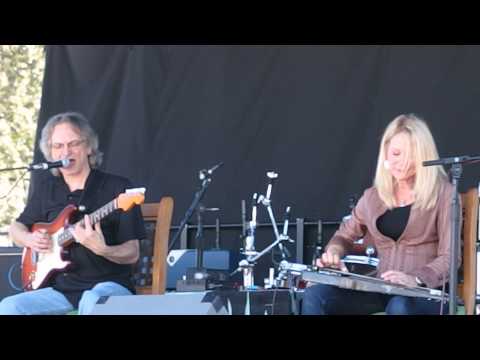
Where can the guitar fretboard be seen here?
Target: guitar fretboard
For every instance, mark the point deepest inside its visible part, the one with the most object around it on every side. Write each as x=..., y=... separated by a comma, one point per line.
x=95, y=217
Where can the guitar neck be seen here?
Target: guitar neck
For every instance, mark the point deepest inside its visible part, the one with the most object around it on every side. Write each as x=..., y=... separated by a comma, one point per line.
x=94, y=217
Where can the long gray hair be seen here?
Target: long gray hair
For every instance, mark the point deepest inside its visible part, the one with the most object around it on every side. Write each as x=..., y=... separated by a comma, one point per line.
x=81, y=124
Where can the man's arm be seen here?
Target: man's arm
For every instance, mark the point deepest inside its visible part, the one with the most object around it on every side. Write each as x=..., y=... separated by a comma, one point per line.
x=93, y=239
x=126, y=253
x=39, y=240
x=19, y=234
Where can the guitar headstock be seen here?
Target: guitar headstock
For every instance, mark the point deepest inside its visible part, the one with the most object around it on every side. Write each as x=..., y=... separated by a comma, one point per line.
x=130, y=198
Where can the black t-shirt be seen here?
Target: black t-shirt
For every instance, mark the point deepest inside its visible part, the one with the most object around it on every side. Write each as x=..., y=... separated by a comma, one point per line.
x=394, y=222
x=52, y=195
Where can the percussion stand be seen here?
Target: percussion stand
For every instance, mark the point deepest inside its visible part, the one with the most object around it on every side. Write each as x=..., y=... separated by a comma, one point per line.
x=265, y=200
x=250, y=261
x=247, y=265
x=249, y=248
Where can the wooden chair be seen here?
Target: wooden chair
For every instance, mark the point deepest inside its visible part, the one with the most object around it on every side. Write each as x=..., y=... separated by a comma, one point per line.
x=153, y=250
x=467, y=287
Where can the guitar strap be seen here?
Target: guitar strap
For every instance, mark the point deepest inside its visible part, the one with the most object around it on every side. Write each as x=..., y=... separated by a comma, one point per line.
x=85, y=203
x=93, y=186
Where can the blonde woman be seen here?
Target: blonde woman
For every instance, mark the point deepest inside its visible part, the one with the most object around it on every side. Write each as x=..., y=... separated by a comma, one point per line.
x=405, y=215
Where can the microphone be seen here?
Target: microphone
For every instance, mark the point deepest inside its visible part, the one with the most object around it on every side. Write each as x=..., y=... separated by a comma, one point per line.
x=205, y=173
x=49, y=165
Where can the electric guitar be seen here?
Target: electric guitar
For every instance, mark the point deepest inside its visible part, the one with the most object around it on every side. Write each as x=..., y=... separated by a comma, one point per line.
x=38, y=268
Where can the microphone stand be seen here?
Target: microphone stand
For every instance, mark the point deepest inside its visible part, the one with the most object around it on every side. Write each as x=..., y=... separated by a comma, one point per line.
x=196, y=201
x=199, y=272
x=15, y=168
x=196, y=278
x=456, y=173
x=2, y=196
x=40, y=166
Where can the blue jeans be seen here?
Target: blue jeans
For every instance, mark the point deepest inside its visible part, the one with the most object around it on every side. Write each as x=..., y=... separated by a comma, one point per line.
x=323, y=299
x=48, y=301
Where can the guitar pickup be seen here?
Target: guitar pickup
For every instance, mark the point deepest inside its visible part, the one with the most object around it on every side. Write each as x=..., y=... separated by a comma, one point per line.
x=136, y=190
x=435, y=292
x=327, y=272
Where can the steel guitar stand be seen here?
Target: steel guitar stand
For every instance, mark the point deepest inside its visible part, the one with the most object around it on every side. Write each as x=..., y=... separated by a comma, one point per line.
x=456, y=173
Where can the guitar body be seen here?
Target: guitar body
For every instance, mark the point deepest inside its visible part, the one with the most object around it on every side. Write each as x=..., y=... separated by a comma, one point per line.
x=38, y=268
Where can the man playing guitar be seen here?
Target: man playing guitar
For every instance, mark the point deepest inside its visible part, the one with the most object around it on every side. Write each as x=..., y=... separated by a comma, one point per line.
x=99, y=257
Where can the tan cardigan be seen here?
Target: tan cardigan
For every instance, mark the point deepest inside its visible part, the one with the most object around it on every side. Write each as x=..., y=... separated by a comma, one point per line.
x=422, y=250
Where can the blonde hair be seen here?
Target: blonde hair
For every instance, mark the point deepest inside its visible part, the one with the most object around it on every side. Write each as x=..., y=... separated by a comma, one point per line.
x=428, y=180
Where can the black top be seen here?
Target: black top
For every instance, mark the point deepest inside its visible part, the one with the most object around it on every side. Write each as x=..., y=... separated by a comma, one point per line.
x=51, y=195
x=394, y=222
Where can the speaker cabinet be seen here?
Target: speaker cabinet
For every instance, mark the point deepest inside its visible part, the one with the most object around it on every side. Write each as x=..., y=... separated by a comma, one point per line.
x=169, y=304
x=10, y=271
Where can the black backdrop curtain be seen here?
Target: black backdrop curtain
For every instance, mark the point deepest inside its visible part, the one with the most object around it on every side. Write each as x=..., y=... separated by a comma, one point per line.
x=315, y=114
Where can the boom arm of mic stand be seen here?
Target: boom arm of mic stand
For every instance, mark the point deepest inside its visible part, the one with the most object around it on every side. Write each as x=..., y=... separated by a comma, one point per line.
x=16, y=168
x=465, y=159
x=196, y=200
